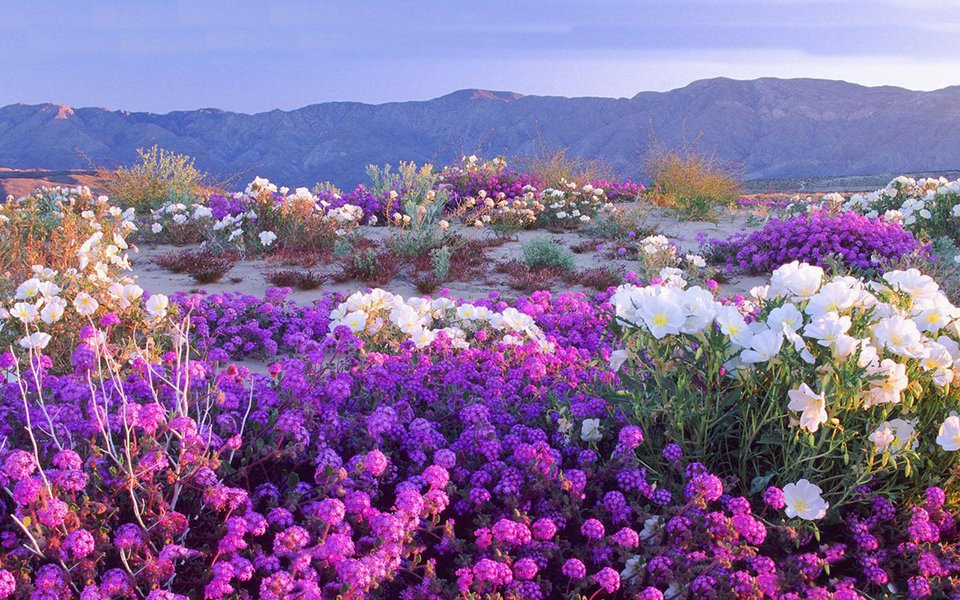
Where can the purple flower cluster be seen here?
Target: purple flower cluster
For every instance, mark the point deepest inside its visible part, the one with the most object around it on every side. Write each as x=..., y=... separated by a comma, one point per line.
x=855, y=240
x=468, y=183
x=229, y=205
x=421, y=473
x=371, y=204
x=620, y=191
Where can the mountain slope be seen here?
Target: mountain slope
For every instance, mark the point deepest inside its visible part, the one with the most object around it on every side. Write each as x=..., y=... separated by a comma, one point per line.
x=770, y=127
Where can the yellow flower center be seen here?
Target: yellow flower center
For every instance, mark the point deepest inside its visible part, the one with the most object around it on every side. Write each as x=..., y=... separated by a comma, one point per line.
x=660, y=319
x=800, y=505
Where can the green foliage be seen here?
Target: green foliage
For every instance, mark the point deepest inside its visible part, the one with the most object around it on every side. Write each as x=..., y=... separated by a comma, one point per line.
x=440, y=262
x=415, y=212
x=542, y=253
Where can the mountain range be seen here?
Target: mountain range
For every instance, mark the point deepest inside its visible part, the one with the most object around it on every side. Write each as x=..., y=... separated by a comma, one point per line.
x=768, y=128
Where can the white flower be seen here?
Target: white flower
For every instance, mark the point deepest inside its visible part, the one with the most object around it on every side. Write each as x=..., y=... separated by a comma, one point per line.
x=356, y=321
x=826, y=328
x=812, y=407
x=939, y=314
x=423, y=337
x=700, y=308
x=949, y=435
x=36, y=341
x=157, y=305
x=85, y=304
x=696, y=260
x=914, y=283
x=796, y=278
x=590, y=430
x=406, y=318
x=894, y=436
x=156, y=228
x=661, y=314
x=650, y=528
x=28, y=289
x=804, y=500
x=888, y=389
x=835, y=296
x=785, y=318
x=53, y=311
x=733, y=325
x=633, y=566
x=763, y=347
x=672, y=277
x=26, y=312
x=617, y=358
x=898, y=335
x=267, y=238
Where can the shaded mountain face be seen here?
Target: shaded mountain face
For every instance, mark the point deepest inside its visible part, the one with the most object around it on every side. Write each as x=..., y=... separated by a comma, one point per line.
x=770, y=128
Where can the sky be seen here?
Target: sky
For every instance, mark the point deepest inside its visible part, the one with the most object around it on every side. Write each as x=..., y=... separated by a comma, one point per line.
x=260, y=55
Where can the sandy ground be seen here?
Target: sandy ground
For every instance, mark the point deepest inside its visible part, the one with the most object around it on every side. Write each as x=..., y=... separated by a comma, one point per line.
x=249, y=276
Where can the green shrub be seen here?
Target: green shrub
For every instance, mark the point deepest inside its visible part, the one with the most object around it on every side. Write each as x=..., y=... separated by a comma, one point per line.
x=440, y=262
x=545, y=253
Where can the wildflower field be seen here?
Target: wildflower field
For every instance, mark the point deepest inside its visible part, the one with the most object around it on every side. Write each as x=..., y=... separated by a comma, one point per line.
x=615, y=412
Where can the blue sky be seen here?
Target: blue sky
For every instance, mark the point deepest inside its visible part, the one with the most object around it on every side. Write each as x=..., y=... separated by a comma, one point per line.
x=259, y=55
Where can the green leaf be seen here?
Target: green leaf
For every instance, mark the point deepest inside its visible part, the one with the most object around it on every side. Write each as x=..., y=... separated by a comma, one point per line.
x=760, y=483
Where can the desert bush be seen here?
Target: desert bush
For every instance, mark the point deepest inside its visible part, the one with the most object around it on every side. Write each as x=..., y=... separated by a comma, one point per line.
x=415, y=208
x=619, y=224
x=690, y=180
x=467, y=260
x=50, y=226
x=64, y=265
x=540, y=253
x=524, y=278
x=158, y=177
x=553, y=167
x=261, y=219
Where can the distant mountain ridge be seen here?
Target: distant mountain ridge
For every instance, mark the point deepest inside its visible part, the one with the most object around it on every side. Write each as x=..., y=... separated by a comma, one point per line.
x=771, y=128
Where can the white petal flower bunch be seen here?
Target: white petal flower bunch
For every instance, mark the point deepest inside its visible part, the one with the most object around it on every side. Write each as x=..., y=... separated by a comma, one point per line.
x=386, y=320
x=929, y=207
x=570, y=206
x=837, y=380
x=50, y=304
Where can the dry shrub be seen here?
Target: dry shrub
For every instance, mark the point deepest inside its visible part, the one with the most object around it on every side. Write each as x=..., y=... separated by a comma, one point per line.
x=159, y=176
x=300, y=258
x=551, y=167
x=426, y=283
x=598, y=278
x=526, y=279
x=468, y=260
x=689, y=179
x=586, y=246
x=296, y=278
x=204, y=266
x=369, y=266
